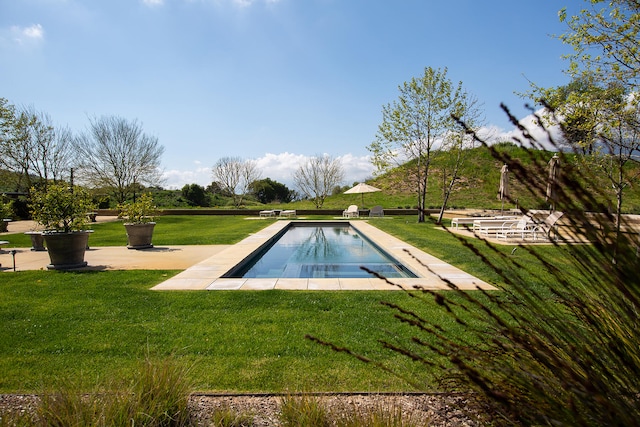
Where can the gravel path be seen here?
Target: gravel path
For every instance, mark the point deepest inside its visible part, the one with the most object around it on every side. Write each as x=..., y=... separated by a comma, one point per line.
x=435, y=410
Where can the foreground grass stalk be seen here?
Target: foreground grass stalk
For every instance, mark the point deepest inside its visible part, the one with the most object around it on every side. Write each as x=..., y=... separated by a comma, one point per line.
x=157, y=396
x=558, y=346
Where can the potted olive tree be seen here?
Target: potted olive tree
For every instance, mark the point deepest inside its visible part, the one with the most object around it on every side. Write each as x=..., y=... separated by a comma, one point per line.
x=6, y=213
x=62, y=211
x=139, y=221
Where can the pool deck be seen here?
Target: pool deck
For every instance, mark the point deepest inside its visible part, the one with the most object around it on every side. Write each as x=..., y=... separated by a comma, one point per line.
x=204, y=265
x=432, y=273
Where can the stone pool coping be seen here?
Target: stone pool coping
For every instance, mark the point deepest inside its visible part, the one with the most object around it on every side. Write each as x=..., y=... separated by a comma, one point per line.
x=207, y=273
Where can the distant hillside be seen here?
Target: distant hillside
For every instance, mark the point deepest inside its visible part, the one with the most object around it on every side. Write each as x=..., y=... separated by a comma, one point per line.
x=479, y=181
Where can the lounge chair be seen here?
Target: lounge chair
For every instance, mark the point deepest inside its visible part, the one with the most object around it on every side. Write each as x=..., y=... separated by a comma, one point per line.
x=468, y=221
x=549, y=225
x=351, y=212
x=289, y=213
x=376, y=211
x=524, y=228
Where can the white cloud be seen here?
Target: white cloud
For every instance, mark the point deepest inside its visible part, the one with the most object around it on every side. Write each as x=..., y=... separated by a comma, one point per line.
x=25, y=35
x=279, y=167
x=543, y=137
x=34, y=32
x=153, y=3
x=246, y=3
x=176, y=178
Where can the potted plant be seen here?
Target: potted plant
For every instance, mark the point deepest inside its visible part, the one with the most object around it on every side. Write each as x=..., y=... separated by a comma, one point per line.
x=6, y=213
x=139, y=221
x=62, y=211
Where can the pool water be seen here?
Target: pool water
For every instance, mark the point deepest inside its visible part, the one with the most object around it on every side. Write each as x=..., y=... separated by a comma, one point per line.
x=319, y=251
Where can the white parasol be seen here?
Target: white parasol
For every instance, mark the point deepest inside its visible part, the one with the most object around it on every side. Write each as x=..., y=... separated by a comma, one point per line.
x=362, y=188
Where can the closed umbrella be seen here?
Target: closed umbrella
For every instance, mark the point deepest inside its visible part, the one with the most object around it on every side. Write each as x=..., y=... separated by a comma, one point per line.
x=552, y=184
x=503, y=191
x=361, y=189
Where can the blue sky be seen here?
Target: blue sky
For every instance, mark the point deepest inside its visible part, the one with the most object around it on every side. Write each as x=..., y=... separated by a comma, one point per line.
x=272, y=80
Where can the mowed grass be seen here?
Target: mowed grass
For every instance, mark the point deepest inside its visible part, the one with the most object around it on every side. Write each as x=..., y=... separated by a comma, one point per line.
x=92, y=325
x=97, y=324
x=169, y=230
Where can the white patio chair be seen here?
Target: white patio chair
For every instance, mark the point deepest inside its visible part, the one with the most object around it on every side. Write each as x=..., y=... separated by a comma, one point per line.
x=351, y=212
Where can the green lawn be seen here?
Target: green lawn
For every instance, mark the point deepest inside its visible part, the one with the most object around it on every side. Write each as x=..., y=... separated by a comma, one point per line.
x=93, y=325
x=170, y=230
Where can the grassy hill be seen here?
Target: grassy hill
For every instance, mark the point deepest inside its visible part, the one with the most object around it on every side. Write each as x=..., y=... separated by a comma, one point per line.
x=476, y=188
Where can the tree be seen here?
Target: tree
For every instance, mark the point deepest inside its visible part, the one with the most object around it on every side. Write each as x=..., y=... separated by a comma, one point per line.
x=618, y=144
x=50, y=146
x=413, y=125
x=604, y=37
x=598, y=109
x=195, y=194
x=457, y=143
x=268, y=191
x=318, y=176
x=557, y=345
x=235, y=175
x=117, y=154
x=32, y=146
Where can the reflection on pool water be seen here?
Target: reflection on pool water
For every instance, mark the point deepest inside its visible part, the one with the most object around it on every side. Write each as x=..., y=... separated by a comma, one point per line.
x=319, y=251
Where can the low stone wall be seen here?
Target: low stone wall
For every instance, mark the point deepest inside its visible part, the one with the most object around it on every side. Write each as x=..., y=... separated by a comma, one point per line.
x=256, y=212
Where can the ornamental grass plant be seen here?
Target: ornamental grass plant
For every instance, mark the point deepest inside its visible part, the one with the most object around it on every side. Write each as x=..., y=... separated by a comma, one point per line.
x=558, y=344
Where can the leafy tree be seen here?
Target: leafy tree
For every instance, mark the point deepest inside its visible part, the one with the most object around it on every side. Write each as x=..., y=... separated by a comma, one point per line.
x=556, y=345
x=318, y=176
x=269, y=191
x=195, y=195
x=234, y=175
x=413, y=125
x=457, y=142
x=604, y=37
x=598, y=109
x=117, y=154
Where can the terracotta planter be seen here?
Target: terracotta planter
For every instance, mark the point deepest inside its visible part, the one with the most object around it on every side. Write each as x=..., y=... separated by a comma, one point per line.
x=139, y=236
x=66, y=250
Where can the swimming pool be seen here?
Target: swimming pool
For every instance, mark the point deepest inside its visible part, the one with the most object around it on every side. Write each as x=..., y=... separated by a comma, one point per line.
x=311, y=250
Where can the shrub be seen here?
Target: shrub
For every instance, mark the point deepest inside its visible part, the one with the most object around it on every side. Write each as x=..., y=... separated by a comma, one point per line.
x=60, y=207
x=141, y=211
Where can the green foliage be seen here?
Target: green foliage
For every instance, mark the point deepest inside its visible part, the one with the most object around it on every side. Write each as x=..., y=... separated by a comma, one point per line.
x=270, y=191
x=156, y=396
x=59, y=207
x=100, y=324
x=304, y=410
x=228, y=417
x=141, y=211
x=195, y=195
x=604, y=37
x=558, y=346
x=311, y=411
x=6, y=207
x=413, y=124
